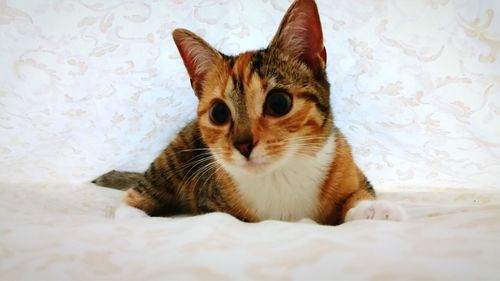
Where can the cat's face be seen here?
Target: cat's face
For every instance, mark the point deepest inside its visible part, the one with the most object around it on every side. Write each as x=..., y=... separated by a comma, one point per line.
x=260, y=109
x=263, y=108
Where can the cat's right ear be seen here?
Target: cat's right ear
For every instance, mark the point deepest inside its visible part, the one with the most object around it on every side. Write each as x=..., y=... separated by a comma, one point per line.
x=300, y=35
x=198, y=56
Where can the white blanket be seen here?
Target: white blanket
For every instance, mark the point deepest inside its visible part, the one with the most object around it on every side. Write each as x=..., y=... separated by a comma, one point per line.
x=52, y=233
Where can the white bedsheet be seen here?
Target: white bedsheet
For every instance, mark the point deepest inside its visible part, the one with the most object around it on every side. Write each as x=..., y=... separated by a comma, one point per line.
x=53, y=233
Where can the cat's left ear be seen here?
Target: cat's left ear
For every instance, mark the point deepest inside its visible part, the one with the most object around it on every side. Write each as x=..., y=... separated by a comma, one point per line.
x=198, y=56
x=300, y=35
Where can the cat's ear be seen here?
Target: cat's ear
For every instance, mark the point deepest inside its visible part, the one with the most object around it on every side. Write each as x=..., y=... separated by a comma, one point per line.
x=300, y=35
x=198, y=56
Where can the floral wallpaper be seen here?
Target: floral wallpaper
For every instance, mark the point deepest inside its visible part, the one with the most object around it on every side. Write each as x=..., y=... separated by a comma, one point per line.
x=91, y=85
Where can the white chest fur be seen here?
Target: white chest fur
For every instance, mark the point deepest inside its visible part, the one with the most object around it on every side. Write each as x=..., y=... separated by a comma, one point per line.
x=290, y=193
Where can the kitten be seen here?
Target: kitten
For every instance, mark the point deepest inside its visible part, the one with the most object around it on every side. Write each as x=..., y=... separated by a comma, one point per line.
x=264, y=144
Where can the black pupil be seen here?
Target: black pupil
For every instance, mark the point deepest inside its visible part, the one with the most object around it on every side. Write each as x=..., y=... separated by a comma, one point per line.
x=278, y=104
x=219, y=113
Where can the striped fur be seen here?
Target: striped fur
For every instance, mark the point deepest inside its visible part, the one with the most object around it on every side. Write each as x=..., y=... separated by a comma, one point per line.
x=300, y=165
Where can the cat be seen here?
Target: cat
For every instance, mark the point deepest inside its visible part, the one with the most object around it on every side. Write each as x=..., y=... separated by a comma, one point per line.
x=264, y=144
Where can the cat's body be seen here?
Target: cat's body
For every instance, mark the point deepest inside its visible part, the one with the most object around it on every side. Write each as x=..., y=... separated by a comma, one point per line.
x=264, y=144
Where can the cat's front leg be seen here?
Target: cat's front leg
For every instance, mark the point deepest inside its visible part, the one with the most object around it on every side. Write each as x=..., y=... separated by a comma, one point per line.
x=360, y=207
x=125, y=212
x=376, y=210
x=143, y=200
x=135, y=205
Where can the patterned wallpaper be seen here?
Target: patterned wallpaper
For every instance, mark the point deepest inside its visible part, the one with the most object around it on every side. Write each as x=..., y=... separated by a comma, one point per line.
x=91, y=85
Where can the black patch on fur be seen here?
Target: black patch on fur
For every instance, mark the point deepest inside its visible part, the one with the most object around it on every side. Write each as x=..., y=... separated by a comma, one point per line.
x=324, y=108
x=238, y=85
x=256, y=62
x=230, y=60
x=368, y=186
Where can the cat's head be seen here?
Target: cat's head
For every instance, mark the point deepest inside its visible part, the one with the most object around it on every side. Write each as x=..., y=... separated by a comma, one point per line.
x=263, y=108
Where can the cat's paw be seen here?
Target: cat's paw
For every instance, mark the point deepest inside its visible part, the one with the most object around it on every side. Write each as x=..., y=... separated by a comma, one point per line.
x=307, y=221
x=376, y=210
x=125, y=212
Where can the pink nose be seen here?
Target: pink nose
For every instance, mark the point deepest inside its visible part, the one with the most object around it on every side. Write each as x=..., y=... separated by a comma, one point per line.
x=245, y=147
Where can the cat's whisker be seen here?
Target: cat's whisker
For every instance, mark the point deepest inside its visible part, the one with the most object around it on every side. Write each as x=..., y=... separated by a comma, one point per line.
x=192, y=177
x=308, y=138
x=199, y=158
x=195, y=166
x=213, y=174
x=202, y=171
x=194, y=161
x=195, y=150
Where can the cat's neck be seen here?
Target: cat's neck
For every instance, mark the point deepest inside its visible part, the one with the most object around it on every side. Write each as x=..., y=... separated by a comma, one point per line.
x=291, y=191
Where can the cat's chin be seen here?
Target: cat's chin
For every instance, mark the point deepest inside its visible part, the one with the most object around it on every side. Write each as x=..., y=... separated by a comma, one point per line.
x=249, y=168
x=253, y=167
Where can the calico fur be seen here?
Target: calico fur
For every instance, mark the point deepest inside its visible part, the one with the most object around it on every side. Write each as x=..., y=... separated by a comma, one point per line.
x=300, y=165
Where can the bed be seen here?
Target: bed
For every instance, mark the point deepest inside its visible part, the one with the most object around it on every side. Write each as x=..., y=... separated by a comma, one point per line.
x=54, y=232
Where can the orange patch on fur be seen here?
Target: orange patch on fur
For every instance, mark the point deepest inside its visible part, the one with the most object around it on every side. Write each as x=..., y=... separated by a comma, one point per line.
x=140, y=201
x=264, y=83
x=211, y=135
x=341, y=189
x=161, y=160
x=240, y=68
x=351, y=202
x=294, y=122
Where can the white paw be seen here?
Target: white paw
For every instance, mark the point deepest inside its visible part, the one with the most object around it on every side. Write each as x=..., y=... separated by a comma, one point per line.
x=124, y=212
x=307, y=221
x=376, y=210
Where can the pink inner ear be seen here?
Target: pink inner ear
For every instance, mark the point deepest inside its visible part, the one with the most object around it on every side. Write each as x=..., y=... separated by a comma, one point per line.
x=188, y=62
x=300, y=34
x=198, y=56
x=314, y=51
x=190, y=51
x=323, y=55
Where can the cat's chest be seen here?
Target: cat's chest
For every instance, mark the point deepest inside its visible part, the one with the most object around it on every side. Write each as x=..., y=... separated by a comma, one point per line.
x=292, y=192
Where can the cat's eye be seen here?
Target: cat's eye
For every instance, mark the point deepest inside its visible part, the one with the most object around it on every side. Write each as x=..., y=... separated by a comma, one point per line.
x=219, y=113
x=277, y=104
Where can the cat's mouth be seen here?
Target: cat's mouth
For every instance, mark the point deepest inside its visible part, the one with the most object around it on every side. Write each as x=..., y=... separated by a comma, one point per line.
x=260, y=163
x=255, y=165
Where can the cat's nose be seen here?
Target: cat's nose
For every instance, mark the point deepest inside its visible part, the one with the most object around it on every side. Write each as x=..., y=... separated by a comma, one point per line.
x=245, y=147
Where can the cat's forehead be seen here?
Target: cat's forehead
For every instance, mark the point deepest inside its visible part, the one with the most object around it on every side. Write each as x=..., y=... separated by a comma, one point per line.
x=239, y=79
x=272, y=68
x=250, y=75
x=244, y=84
x=244, y=71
